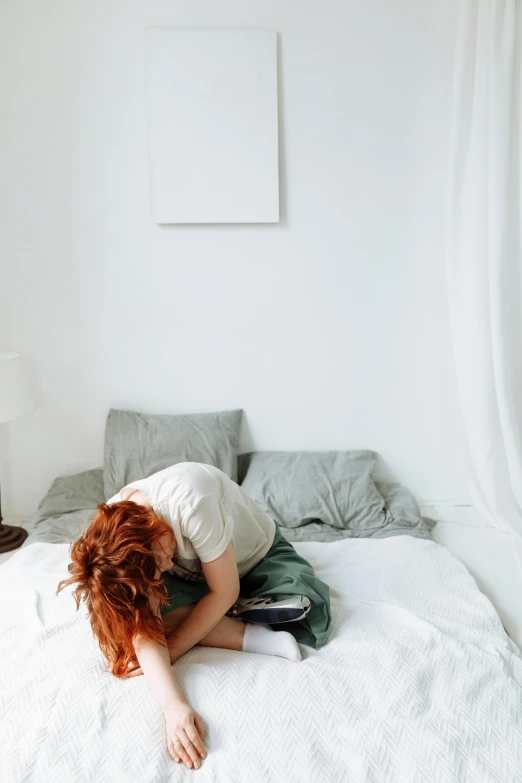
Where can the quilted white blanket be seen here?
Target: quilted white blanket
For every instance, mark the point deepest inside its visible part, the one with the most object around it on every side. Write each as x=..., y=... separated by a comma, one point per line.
x=419, y=682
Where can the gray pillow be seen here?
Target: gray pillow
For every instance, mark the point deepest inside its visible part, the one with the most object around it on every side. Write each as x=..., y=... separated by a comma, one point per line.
x=334, y=487
x=60, y=528
x=403, y=517
x=138, y=445
x=72, y=493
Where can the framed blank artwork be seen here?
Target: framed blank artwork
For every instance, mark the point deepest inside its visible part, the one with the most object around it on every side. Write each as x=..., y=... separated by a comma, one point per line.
x=212, y=121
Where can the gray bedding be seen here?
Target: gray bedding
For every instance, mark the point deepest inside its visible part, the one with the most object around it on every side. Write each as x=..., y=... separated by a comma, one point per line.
x=139, y=444
x=72, y=500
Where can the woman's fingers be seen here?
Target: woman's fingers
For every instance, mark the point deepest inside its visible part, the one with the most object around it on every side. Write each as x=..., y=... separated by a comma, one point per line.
x=196, y=742
x=179, y=746
x=200, y=726
x=184, y=743
x=132, y=672
x=132, y=669
x=189, y=748
x=174, y=750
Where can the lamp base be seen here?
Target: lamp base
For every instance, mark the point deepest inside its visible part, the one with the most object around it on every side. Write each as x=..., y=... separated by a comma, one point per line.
x=11, y=537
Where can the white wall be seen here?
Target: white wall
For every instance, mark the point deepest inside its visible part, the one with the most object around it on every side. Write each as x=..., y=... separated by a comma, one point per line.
x=330, y=330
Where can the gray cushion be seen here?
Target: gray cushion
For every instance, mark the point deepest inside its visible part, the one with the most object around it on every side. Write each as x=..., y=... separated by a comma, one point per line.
x=403, y=517
x=138, y=444
x=72, y=493
x=72, y=500
x=61, y=527
x=335, y=488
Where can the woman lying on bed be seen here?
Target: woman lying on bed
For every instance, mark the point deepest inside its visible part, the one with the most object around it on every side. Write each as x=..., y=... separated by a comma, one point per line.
x=161, y=564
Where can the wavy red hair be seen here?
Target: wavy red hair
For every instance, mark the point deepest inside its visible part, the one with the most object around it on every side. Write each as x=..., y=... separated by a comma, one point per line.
x=115, y=569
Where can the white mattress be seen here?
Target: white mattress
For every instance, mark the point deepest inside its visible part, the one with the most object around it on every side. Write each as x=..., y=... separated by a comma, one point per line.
x=418, y=682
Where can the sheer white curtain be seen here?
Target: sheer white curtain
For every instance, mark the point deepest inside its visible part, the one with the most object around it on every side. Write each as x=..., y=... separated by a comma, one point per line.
x=484, y=262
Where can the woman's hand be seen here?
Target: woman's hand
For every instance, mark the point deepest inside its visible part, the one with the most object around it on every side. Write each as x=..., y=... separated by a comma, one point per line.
x=185, y=730
x=133, y=669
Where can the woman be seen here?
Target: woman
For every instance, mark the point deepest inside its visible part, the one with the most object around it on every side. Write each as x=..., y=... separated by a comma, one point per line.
x=212, y=543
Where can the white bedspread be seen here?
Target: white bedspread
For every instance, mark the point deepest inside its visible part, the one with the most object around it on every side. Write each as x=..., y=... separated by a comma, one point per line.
x=419, y=682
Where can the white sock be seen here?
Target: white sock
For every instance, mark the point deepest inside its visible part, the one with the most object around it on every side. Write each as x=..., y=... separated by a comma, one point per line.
x=263, y=639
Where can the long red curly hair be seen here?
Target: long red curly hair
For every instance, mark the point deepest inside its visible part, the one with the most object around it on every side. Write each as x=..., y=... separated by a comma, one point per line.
x=115, y=570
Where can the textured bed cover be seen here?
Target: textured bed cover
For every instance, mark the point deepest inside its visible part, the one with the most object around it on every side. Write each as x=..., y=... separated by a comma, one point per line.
x=418, y=682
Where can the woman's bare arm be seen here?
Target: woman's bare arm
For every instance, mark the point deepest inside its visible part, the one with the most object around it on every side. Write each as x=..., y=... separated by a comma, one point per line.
x=183, y=725
x=154, y=660
x=222, y=578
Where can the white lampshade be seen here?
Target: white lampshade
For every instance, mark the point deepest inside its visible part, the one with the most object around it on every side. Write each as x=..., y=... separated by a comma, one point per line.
x=18, y=393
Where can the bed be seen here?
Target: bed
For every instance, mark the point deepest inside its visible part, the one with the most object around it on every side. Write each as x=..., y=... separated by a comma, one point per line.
x=418, y=681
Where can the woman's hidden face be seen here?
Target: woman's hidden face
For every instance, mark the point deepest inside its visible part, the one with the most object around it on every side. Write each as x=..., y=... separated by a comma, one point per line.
x=164, y=550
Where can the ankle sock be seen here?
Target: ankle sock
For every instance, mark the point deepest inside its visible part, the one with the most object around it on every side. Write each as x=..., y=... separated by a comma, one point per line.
x=265, y=640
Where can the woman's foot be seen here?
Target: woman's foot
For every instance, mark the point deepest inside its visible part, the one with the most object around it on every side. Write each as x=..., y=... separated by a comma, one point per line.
x=263, y=639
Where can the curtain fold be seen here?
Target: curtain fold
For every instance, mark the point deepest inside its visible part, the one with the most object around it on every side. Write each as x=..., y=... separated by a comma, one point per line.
x=484, y=263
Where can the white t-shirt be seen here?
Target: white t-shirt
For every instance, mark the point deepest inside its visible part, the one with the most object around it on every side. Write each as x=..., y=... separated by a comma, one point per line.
x=206, y=510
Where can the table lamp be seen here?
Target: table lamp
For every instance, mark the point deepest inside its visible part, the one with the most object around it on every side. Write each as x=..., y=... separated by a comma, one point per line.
x=18, y=397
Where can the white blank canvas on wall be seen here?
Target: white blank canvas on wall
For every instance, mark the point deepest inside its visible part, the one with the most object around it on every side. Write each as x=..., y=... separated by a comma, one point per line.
x=212, y=125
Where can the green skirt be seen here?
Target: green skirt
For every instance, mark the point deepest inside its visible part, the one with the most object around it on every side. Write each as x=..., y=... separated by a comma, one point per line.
x=281, y=573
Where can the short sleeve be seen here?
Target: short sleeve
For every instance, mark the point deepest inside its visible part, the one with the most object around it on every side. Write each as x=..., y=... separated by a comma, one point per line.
x=115, y=499
x=208, y=528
